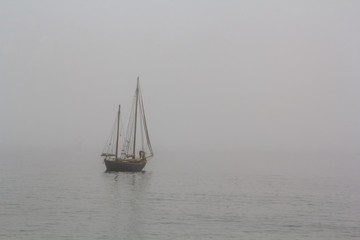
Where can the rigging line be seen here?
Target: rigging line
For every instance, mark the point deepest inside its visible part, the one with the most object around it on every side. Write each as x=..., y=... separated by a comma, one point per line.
x=136, y=112
x=121, y=130
x=112, y=140
x=127, y=131
x=114, y=136
x=106, y=147
x=141, y=106
x=122, y=135
x=129, y=128
x=107, y=142
x=130, y=138
x=125, y=137
x=110, y=144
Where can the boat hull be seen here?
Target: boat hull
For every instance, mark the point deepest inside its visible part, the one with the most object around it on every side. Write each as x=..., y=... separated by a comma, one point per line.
x=124, y=166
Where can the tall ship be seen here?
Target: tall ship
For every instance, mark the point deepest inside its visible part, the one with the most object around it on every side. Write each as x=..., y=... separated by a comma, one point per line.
x=135, y=143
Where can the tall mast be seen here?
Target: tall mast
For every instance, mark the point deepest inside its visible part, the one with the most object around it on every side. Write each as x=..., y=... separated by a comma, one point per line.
x=136, y=106
x=117, y=134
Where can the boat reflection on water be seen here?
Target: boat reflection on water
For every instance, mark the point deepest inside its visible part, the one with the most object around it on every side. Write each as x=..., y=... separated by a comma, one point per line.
x=129, y=191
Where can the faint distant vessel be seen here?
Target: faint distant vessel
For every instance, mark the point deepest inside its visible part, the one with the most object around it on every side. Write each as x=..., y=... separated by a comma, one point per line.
x=134, y=155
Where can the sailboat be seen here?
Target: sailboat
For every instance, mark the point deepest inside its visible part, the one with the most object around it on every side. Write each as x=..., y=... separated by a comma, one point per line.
x=135, y=150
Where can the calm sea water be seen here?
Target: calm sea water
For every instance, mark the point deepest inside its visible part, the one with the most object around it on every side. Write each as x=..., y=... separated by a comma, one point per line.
x=71, y=197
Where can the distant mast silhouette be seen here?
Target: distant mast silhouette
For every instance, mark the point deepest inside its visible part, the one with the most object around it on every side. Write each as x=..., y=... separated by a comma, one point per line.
x=129, y=160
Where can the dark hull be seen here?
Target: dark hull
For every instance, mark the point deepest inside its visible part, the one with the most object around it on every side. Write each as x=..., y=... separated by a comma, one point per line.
x=124, y=166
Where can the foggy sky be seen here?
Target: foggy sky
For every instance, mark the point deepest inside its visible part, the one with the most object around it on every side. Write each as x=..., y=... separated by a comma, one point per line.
x=265, y=76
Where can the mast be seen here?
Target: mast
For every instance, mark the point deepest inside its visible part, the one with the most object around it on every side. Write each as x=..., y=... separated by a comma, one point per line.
x=117, y=134
x=136, y=106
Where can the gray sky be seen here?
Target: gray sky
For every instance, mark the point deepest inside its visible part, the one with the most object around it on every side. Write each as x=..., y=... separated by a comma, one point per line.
x=262, y=76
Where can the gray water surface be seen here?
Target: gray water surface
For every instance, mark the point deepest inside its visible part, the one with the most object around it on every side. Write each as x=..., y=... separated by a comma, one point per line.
x=71, y=197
